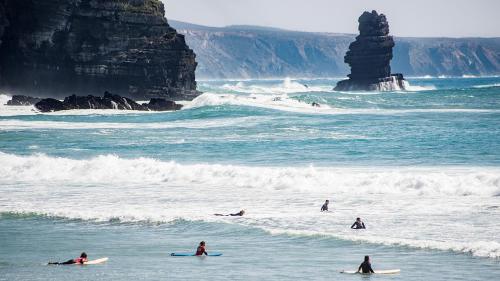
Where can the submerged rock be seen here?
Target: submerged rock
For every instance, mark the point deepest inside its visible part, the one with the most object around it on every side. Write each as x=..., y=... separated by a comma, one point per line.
x=370, y=56
x=23, y=100
x=158, y=104
x=108, y=101
x=56, y=47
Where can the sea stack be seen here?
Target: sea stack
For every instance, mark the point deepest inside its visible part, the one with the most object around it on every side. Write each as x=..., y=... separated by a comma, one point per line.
x=370, y=56
x=55, y=48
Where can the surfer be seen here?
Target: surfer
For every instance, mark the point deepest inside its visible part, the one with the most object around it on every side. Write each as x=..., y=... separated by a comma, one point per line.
x=315, y=104
x=324, y=208
x=358, y=224
x=200, y=251
x=238, y=214
x=366, y=266
x=81, y=260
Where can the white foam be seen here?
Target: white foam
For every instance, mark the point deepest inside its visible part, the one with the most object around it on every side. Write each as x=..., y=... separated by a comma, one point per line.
x=285, y=103
x=495, y=85
x=417, y=181
x=401, y=206
x=416, y=88
x=288, y=86
x=13, y=124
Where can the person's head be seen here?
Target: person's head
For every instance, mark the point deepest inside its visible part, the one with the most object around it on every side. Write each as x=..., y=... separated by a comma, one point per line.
x=367, y=258
x=202, y=243
x=358, y=219
x=83, y=255
x=242, y=212
x=327, y=201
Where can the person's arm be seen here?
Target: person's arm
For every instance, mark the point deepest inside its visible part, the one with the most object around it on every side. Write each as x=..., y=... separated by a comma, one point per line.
x=352, y=226
x=205, y=252
x=359, y=268
x=363, y=225
x=371, y=270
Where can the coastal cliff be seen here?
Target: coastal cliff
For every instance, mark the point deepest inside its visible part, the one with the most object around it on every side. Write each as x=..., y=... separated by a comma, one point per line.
x=259, y=52
x=53, y=48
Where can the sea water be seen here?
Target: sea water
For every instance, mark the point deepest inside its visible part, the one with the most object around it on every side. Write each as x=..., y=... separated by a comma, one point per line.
x=420, y=167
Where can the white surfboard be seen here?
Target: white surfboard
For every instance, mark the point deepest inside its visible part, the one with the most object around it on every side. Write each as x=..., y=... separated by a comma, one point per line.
x=390, y=271
x=98, y=261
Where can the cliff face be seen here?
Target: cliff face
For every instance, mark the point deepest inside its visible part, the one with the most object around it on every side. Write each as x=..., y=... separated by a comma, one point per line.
x=252, y=52
x=60, y=47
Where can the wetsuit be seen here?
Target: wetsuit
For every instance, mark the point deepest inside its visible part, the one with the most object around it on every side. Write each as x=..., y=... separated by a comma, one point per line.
x=72, y=261
x=201, y=251
x=358, y=225
x=239, y=214
x=366, y=267
x=324, y=208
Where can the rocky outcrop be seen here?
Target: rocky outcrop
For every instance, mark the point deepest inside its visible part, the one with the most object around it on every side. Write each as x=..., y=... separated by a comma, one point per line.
x=108, y=101
x=60, y=47
x=158, y=104
x=370, y=56
x=50, y=105
x=23, y=100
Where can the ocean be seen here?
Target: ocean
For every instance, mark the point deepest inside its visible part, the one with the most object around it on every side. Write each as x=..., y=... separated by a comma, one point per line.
x=420, y=167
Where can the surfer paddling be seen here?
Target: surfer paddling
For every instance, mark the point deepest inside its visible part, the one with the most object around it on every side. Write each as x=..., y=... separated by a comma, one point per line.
x=200, y=251
x=366, y=266
x=238, y=214
x=81, y=260
x=358, y=224
x=324, y=208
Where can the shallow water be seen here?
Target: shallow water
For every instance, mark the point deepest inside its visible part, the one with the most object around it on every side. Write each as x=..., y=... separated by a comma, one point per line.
x=422, y=168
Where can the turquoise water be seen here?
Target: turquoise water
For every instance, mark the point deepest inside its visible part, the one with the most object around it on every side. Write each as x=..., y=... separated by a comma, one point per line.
x=421, y=167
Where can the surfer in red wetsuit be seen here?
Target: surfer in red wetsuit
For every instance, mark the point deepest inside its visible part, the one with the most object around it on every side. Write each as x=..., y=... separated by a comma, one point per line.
x=81, y=260
x=201, y=249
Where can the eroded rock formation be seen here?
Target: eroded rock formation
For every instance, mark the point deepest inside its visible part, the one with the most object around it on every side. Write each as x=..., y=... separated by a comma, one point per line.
x=53, y=48
x=370, y=56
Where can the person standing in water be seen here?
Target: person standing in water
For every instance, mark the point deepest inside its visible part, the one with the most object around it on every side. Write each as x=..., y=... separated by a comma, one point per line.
x=366, y=266
x=200, y=251
x=81, y=260
x=324, y=208
x=358, y=224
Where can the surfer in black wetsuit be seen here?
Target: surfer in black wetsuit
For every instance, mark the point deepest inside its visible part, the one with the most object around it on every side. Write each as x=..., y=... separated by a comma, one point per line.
x=358, y=224
x=81, y=260
x=238, y=214
x=324, y=208
x=366, y=266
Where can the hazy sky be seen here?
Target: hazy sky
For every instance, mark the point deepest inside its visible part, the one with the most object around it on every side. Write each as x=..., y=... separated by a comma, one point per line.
x=453, y=18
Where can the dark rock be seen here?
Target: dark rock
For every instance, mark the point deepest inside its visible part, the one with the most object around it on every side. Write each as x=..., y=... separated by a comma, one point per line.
x=159, y=104
x=370, y=56
x=108, y=101
x=49, y=105
x=23, y=100
x=56, y=47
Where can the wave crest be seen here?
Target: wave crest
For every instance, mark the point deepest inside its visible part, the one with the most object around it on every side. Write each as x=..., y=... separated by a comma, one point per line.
x=113, y=169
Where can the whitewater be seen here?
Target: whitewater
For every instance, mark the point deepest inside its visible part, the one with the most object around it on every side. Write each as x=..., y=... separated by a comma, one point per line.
x=420, y=167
